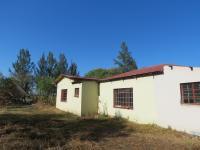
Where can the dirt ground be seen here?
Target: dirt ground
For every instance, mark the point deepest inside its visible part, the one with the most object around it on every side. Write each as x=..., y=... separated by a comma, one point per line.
x=44, y=127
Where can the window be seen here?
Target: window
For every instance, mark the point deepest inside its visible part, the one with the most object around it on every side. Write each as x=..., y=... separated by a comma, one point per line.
x=190, y=93
x=76, y=92
x=64, y=95
x=123, y=98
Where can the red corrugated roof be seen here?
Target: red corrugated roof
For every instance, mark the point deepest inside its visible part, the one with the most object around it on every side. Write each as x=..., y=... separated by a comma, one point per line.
x=81, y=78
x=75, y=78
x=154, y=70
x=140, y=72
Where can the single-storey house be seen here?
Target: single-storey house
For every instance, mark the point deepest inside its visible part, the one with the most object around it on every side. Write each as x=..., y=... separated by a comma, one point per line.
x=166, y=95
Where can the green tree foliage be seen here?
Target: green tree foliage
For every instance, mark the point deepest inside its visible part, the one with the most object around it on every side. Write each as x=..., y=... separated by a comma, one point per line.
x=1, y=76
x=45, y=76
x=1, y=79
x=124, y=60
x=48, y=69
x=51, y=65
x=22, y=70
x=41, y=70
x=45, y=86
x=10, y=92
x=62, y=65
x=46, y=90
x=102, y=73
x=6, y=88
x=73, y=69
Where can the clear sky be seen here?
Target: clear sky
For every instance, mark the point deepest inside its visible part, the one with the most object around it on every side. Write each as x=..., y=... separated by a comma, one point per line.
x=89, y=32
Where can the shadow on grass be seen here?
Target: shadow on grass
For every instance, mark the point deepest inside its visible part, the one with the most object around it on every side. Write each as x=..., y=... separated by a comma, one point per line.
x=57, y=129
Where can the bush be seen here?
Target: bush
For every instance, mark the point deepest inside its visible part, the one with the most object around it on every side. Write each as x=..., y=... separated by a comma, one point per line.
x=50, y=100
x=102, y=73
x=10, y=92
x=46, y=90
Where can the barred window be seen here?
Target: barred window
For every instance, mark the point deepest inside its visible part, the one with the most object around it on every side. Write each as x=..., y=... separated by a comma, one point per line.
x=63, y=95
x=123, y=98
x=76, y=92
x=190, y=93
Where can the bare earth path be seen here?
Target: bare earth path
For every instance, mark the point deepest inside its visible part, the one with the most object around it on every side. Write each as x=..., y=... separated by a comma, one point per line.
x=44, y=127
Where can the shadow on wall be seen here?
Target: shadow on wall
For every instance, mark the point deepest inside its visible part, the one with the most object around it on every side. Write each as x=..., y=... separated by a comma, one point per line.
x=105, y=109
x=118, y=114
x=55, y=129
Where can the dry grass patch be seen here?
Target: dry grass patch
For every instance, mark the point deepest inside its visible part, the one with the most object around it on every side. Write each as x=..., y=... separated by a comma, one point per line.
x=44, y=127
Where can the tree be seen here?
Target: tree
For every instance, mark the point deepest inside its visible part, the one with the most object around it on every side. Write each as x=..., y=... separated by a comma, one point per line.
x=51, y=65
x=73, y=69
x=6, y=90
x=62, y=65
x=124, y=60
x=41, y=70
x=1, y=76
x=22, y=70
x=10, y=92
x=45, y=76
x=102, y=73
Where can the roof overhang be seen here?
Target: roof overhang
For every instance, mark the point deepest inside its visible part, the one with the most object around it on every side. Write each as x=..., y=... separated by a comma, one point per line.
x=76, y=79
x=133, y=76
x=143, y=72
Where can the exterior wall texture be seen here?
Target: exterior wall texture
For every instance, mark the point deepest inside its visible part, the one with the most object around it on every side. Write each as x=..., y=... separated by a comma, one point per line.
x=89, y=98
x=143, y=99
x=170, y=112
x=73, y=104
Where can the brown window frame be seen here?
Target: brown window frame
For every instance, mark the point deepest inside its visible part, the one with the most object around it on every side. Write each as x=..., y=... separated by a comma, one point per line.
x=76, y=92
x=63, y=95
x=123, y=101
x=190, y=93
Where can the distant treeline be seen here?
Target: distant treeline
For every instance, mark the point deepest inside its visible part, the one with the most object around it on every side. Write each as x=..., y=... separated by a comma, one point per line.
x=29, y=81
x=33, y=79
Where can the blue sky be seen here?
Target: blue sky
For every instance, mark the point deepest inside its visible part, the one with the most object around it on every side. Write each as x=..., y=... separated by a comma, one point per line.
x=89, y=32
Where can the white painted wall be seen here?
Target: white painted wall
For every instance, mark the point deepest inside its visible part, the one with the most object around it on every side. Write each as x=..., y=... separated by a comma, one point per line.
x=84, y=105
x=170, y=111
x=143, y=99
x=73, y=104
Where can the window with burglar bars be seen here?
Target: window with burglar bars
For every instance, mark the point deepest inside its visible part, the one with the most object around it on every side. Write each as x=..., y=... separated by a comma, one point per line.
x=64, y=95
x=190, y=93
x=123, y=98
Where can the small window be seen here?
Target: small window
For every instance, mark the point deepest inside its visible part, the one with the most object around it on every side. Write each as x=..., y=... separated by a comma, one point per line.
x=190, y=93
x=64, y=95
x=123, y=98
x=76, y=92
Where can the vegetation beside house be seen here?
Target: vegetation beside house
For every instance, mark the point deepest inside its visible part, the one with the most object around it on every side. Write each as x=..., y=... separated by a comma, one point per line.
x=102, y=73
x=37, y=80
x=11, y=92
x=28, y=82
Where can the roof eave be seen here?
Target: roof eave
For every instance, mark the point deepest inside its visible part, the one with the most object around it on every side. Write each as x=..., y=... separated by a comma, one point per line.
x=133, y=76
x=79, y=79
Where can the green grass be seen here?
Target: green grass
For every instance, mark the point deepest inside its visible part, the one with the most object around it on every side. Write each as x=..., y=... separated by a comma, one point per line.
x=44, y=127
